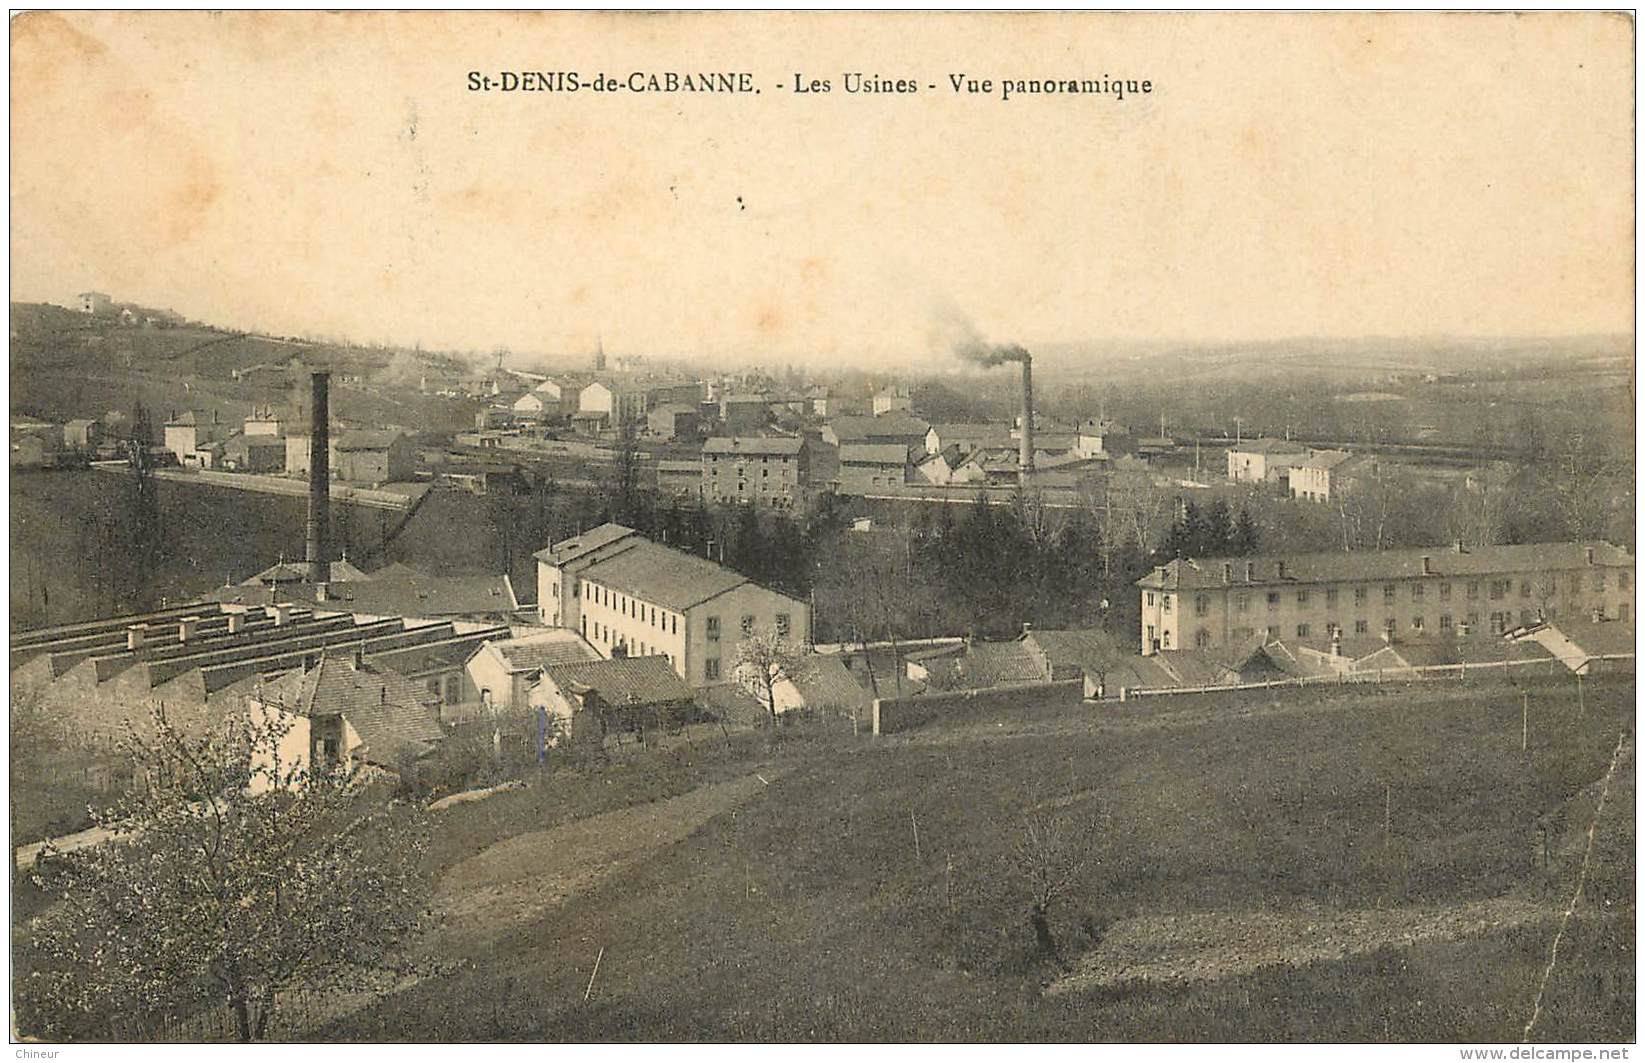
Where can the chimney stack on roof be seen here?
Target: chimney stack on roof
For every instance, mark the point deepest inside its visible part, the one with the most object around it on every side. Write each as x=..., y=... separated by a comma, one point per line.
x=187, y=628
x=236, y=621
x=135, y=634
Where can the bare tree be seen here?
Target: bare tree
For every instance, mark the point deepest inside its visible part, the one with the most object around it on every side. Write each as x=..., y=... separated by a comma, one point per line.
x=1048, y=855
x=1139, y=504
x=764, y=659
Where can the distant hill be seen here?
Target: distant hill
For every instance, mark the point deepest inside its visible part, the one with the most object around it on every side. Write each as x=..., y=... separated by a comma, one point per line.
x=65, y=364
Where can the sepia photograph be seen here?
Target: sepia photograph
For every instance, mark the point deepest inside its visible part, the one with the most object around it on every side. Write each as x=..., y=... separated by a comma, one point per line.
x=772, y=527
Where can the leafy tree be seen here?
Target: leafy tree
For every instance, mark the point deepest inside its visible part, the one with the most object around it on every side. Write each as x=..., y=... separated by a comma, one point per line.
x=232, y=877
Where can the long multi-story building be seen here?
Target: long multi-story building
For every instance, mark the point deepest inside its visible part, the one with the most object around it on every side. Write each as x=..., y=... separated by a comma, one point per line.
x=766, y=471
x=630, y=597
x=1200, y=603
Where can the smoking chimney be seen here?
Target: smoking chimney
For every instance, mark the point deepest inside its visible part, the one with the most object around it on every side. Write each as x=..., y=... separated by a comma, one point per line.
x=1025, y=456
x=319, y=480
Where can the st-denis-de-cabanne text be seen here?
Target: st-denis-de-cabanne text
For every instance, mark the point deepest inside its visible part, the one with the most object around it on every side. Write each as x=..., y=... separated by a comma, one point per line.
x=851, y=83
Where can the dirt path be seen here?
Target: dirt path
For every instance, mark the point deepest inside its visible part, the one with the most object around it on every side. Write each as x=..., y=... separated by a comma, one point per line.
x=523, y=876
x=1205, y=946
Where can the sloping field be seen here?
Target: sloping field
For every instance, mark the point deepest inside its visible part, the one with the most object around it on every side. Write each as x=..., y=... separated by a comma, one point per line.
x=1414, y=862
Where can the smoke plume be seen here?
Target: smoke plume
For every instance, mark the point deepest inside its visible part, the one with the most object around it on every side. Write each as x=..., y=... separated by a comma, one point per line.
x=953, y=330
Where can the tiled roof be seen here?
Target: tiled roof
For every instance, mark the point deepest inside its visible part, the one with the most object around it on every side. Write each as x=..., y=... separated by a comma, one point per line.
x=623, y=680
x=994, y=663
x=388, y=711
x=873, y=454
x=567, y=550
x=297, y=572
x=785, y=446
x=193, y=417
x=1598, y=638
x=1268, y=446
x=1193, y=668
x=417, y=594
x=555, y=647
x=1082, y=648
x=1324, y=459
x=828, y=684
x=367, y=439
x=666, y=577
x=1371, y=565
x=893, y=425
x=674, y=409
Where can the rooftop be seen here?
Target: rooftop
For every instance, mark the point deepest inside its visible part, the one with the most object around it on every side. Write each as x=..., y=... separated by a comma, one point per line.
x=785, y=446
x=1338, y=566
x=568, y=550
x=387, y=711
x=552, y=647
x=886, y=426
x=665, y=577
x=623, y=680
x=407, y=592
x=873, y=454
x=1266, y=445
x=367, y=439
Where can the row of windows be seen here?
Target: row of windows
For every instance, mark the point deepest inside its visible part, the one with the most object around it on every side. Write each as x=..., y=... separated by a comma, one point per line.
x=661, y=619
x=1496, y=590
x=784, y=626
x=1500, y=622
x=595, y=631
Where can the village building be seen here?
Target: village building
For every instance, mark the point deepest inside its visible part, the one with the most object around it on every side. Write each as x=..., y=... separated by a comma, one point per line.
x=82, y=433
x=373, y=457
x=1205, y=603
x=1326, y=475
x=344, y=712
x=501, y=670
x=866, y=468
x=744, y=412
x=534, y=406
x=888, y=400
x=894, y=427
x=96, y=303
x=610, y=404
x=673, y=420
x=762, y=470
x=1098, y=437
x=190, y=436
x=680, y=478
x=586, y=700
x=254, y=453
x=967, y=437
x=1264, y=460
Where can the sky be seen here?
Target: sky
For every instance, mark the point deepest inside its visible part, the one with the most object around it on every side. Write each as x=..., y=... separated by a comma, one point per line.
x=1289, y=175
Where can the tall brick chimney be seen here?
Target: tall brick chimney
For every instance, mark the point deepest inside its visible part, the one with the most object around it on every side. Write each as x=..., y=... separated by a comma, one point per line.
x=1025, y=453
x=318, y=540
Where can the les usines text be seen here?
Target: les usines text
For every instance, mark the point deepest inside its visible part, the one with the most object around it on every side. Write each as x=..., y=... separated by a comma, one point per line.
x=733, y=83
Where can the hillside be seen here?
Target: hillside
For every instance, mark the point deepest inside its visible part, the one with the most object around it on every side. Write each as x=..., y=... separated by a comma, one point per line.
x=65, y=364
x=1347, y=864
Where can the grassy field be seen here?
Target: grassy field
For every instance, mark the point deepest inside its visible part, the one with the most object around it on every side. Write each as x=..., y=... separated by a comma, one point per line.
x=803, y=908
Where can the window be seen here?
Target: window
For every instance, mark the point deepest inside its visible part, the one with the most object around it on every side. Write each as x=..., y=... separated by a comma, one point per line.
x=1473, y=588
x=1202, y=604
x=1147, y=597
x=1202, y=639
x=713, y=629
x=1445, y=621
x=1417, y=592
x=1622, y=580
x=1416, y=623
x=1242, y=601
x=1388, y=593
x=1499, y=623
x=748, y=624
x=1273, y=600
x=329, y=748
x=1361, y=627
x=1302, y=631
x=711, y=668
x=1524, y=588
x=1622, y=612
x=674, y=625
x=1302, y=597
x=1359, y=595
x=1473, y=620
x=454, y=690
x=1332, y=629
x=1388, y=626
x=434, y=688
x=1331, y=597
x=1165, y=602
x=1499, y=589
x=1272, y=631
x=1599, y=581
x=1444, y=592
x=782, y=625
